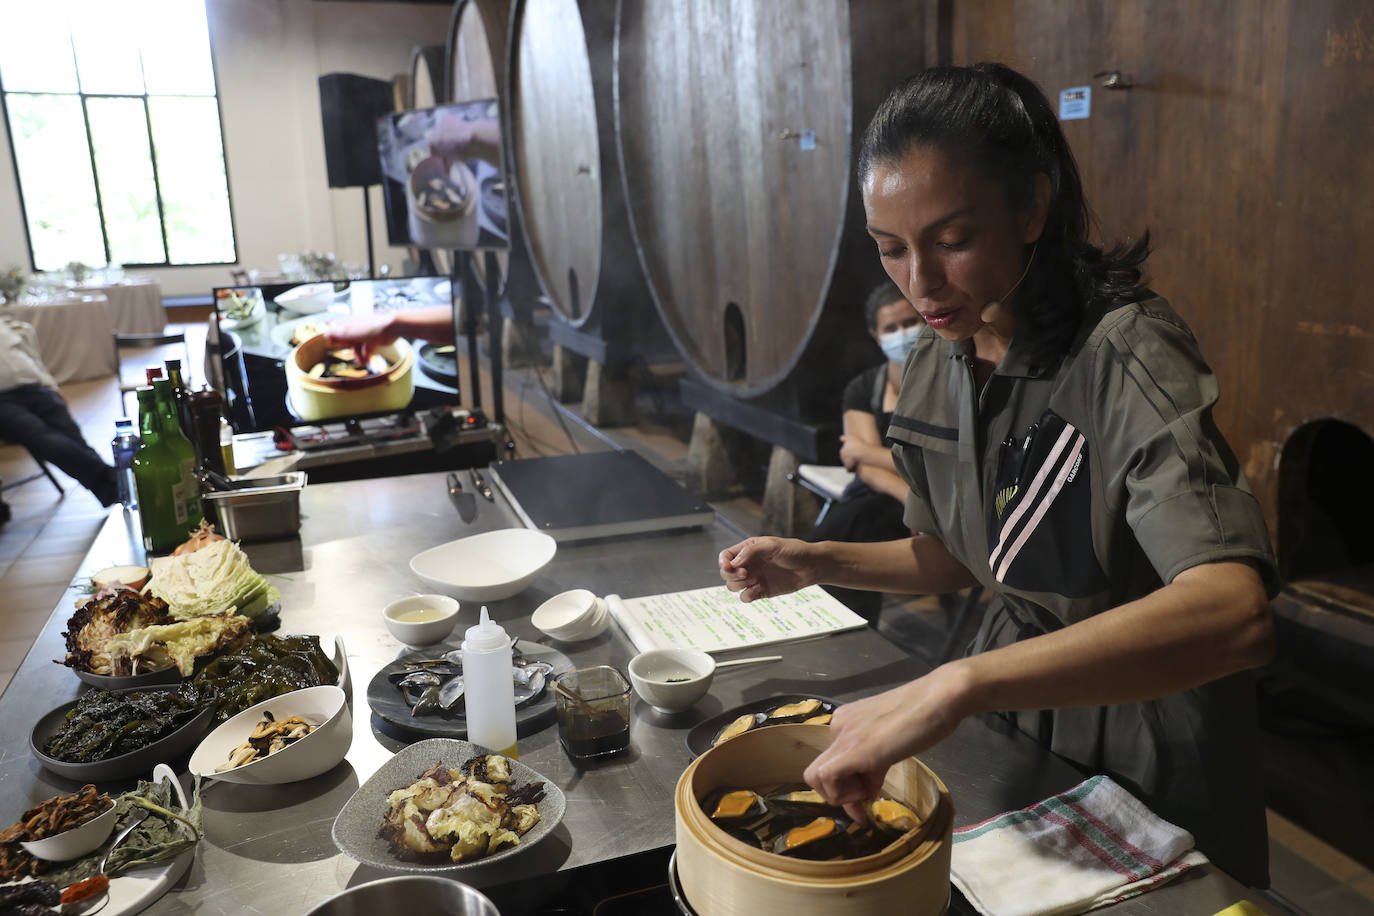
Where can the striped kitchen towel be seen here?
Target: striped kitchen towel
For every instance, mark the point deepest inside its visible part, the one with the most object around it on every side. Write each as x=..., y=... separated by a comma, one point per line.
x=1085, y=848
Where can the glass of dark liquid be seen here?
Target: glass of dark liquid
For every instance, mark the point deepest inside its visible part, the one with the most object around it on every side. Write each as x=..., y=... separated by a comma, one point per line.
x=593, y=712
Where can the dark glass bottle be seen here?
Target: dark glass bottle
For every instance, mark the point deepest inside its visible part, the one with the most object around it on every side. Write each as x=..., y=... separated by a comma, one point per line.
x=180, y=398
x=205, y=417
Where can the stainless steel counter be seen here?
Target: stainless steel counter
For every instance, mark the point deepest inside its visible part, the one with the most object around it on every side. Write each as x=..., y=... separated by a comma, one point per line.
x=268, y=849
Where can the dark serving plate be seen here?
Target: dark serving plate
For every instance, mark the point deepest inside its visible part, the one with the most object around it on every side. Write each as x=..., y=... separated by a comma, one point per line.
x=388, y=701
x=168, y=675
x=699, y=739
x=165, y=749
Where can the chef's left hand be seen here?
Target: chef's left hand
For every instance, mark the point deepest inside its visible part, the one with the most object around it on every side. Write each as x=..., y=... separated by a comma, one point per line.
x=868, y=736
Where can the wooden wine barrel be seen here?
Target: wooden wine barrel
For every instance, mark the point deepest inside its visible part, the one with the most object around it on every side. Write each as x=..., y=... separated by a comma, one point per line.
x=475, y=68
x=427, y=77
x=738, y=122
x=566, y=176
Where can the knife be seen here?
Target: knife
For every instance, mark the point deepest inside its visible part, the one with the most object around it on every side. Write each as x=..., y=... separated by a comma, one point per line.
x=480, y=483
x=464, y=502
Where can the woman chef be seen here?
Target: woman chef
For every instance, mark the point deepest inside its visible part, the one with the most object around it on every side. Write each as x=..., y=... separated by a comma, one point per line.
x=1055, y=429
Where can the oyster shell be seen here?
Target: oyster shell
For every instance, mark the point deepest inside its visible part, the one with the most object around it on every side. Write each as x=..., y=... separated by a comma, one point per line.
x=822, y=719
x=738, y=726
x=817, y=839
x=730, y=804
x=801, y=800
x=795, y=712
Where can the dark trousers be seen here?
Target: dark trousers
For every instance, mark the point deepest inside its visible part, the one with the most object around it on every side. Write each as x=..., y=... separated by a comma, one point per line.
x=37, y=418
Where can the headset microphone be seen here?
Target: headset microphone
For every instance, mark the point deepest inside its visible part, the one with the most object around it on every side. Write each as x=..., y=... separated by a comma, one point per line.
x=989, y=314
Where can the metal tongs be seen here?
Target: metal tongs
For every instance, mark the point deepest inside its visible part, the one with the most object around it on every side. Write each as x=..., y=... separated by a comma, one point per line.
x=463, y=501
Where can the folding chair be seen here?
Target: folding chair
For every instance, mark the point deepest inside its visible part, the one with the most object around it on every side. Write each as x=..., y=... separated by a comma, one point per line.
x=142, y=343
x=825, y=480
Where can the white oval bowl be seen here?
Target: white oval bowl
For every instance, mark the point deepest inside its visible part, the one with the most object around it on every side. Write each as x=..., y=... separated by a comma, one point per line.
x=425, y=632
x=650, y=673
x=76, y=842
x=485, y=567
x=318, y=752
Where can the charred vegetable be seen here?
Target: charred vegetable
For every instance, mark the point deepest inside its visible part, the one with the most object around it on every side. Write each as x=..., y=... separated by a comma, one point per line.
x=262, y=668
x=98, y=621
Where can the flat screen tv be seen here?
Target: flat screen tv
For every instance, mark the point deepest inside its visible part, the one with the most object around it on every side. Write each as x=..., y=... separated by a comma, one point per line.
x=282, y=371
x=442, y=177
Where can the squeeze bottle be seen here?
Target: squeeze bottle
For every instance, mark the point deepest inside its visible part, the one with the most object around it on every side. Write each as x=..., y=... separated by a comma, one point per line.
x=488, y=687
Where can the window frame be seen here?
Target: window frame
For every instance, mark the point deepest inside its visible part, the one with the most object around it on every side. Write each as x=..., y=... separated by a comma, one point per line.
x=83, y=97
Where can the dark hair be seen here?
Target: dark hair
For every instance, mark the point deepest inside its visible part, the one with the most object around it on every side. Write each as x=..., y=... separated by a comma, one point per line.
x=1002, y=122
x=885, y=293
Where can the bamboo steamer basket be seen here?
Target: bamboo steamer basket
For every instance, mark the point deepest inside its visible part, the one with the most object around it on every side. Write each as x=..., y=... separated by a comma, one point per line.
x=721, y=876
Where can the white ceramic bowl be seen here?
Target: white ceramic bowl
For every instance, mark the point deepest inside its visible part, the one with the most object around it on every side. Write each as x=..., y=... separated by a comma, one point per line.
x=316, y=753
x=572, y=616
x=671, y=680
x=76, y=842
x=421, y=632
x=308, y=299
x=486, y=567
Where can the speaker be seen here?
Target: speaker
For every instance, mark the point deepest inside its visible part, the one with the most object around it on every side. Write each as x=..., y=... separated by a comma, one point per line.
x=350, y=106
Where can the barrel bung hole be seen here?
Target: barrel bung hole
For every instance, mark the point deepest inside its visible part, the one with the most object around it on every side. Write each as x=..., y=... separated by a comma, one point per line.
x=736, y=362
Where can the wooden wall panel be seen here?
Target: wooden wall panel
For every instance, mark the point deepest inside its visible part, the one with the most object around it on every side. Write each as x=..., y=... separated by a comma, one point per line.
x=1244, y=147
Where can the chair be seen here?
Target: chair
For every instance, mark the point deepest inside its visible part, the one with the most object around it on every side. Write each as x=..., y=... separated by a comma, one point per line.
x=42, y=466
x=144, y=342
x=826, y=481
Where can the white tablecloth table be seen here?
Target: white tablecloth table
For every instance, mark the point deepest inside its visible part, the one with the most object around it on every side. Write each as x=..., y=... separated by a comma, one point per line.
x=135, y=303
x=75, y=335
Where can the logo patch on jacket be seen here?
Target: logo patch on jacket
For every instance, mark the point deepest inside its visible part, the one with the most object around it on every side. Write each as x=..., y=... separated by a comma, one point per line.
x=1042, y=536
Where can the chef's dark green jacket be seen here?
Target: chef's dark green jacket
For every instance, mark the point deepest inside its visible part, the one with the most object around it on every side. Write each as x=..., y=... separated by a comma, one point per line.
x=1071, y=488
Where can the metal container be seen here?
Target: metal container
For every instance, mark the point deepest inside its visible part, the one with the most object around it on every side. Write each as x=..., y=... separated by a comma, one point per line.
x=259, y=508
x=408, y=894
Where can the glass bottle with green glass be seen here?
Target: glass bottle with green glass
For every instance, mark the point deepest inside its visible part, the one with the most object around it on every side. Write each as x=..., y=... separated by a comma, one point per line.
x=164, y=472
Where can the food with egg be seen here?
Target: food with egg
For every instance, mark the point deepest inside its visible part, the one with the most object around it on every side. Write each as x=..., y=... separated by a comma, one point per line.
x=462, y=814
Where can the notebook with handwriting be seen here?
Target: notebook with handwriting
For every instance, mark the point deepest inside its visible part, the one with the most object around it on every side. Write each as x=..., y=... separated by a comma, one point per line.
x=714, y=619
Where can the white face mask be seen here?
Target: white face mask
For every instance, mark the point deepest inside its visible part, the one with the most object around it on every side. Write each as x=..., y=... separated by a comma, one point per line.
x=898, y=344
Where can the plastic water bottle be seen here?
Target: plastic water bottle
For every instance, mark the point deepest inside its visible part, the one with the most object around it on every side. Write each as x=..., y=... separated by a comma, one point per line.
x=124, y=446
x=488, y=687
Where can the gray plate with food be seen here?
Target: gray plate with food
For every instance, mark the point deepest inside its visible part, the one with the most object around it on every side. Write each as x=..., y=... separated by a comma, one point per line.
x=393, y=705
x=357, y=829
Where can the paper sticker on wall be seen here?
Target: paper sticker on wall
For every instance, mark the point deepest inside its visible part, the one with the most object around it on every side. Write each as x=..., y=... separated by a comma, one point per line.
x=1075, y=103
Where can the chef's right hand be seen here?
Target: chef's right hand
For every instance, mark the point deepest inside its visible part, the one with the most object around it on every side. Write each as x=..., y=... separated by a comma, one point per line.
x=766, y=567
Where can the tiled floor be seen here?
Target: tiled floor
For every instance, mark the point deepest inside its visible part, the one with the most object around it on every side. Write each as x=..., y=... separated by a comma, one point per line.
x=42, y=546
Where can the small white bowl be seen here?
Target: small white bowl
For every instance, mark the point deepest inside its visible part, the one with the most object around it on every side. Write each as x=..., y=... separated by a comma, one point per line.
x=488, y=566
x=318, y=752
x=421, y=632
x=310, y=299
x=572, y=616
x=76, y=842
x=671, y=680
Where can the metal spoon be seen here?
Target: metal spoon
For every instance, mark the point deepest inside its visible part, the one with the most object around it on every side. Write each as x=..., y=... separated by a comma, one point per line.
x=136, y=818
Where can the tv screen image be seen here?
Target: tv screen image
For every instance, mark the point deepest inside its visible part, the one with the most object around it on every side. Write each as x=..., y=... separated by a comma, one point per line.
x=281, y=370
x=442, y=177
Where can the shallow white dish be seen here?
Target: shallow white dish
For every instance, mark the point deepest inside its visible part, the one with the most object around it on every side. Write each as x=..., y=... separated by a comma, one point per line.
x=421, y=632
x=671, y=680
x=485, y=567
x=73, y=843
x=307, y=299
x=318, y=752
x=136, y=889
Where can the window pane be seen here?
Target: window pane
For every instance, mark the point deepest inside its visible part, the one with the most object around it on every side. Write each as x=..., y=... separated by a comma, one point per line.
x=195, y=191
x=106, y=37
x=49, y=136
x=176, y=48
x=36, y=55
x=124, y=166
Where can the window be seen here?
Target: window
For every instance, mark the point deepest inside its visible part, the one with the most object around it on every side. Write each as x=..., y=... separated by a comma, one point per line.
x=114, y=127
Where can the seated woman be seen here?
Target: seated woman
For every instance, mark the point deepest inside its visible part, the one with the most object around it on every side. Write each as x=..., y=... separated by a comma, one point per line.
x=870, y=509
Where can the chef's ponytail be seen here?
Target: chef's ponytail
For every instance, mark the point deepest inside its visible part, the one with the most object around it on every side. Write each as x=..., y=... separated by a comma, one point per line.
x=1000, y=120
